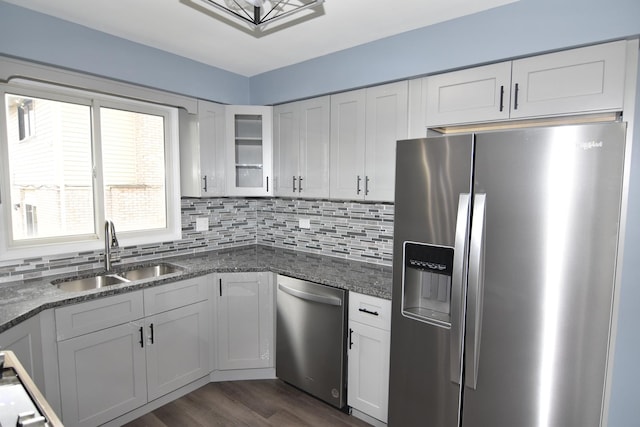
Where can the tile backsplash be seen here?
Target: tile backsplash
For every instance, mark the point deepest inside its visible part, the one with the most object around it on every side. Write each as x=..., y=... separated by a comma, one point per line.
x=353, y=230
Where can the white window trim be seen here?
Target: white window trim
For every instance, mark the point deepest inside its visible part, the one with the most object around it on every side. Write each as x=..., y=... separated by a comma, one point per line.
x=92, y=242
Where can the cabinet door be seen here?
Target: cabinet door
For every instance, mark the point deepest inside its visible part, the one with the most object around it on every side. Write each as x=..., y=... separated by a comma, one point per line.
x=313, y=180
x=249, y=134
x=102, y=375
x=245, y=321
x=347, y=145
x=573, y=81
x=202, y=151
x=467, y=96
x=211, y=119
x=25, y=340
x=177, y=348
x=387, y=121
x=286, y=149
x=368, y=370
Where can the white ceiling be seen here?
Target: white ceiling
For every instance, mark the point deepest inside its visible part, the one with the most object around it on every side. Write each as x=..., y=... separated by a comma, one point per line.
x=184, y=28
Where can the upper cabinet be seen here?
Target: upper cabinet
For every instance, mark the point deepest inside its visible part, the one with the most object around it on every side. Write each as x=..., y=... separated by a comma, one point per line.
x=365, y=125
x=301, y=148
x=249, y=133
x=582, y=80
x=202, y=151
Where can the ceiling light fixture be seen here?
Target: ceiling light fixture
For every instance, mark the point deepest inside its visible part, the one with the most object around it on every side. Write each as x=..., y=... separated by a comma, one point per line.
x=259, y=13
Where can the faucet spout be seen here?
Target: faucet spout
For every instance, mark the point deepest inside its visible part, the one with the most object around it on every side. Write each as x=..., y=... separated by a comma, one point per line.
x=110, y=242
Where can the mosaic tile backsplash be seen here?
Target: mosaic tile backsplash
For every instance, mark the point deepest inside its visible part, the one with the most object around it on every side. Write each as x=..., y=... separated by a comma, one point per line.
x=352, y=230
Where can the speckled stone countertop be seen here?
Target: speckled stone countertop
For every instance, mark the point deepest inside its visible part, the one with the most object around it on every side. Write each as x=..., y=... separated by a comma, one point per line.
x=24, y=299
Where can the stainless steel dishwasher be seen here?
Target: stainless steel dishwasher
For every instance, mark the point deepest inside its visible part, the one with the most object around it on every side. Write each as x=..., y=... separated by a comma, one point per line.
x=311, y=338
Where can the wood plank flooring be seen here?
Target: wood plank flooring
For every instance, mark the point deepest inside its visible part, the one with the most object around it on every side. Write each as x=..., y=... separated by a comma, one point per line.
x=246, y=403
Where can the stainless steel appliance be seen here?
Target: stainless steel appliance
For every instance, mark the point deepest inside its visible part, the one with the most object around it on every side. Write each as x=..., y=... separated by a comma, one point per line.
x=21, y=403
x=310, y=338
x=504, y=267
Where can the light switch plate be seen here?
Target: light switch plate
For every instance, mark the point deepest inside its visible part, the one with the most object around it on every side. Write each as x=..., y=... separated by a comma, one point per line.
x=202, y=224
x=304, y=223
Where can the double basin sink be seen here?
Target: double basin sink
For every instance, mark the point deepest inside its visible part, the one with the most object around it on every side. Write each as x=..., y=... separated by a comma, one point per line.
x=107, y=279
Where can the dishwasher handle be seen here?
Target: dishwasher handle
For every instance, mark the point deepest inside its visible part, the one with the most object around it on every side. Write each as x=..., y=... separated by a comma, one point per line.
x=322, y=299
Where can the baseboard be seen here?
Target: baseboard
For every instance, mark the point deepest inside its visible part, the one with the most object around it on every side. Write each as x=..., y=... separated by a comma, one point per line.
x=367, y=418
x=243, y=374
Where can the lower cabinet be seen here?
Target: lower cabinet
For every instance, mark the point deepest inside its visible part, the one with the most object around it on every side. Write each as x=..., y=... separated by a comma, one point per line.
x=102, y=375
x=368, y=355
x=133, y=355
x=245, y=326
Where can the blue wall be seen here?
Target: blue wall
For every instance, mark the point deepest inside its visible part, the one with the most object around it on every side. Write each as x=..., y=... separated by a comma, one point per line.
x=518, y=29
x=34, y=36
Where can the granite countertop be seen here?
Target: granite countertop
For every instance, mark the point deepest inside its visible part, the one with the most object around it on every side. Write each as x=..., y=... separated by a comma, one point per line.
x=24, y=299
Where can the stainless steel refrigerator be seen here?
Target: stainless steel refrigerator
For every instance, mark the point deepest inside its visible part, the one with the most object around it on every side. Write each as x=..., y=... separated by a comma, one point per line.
x=505, y=249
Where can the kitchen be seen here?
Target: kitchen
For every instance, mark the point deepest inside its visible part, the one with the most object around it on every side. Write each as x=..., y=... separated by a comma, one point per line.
x=520, y=20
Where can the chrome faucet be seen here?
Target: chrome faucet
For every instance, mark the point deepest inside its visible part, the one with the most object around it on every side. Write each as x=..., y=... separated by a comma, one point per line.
x=110, y=242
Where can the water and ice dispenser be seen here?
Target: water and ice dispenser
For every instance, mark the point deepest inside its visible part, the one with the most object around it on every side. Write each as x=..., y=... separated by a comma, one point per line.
x=426, y=283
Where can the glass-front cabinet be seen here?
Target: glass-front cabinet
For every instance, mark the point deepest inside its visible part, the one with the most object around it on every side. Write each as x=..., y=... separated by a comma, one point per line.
x=249, y=133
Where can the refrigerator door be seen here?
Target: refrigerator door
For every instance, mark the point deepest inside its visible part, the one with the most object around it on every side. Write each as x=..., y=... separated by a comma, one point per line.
x=537, y=343
x=430, y=176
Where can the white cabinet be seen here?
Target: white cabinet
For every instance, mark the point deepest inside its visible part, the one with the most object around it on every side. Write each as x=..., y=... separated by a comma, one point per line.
x=580, y=80
x=368, y=355
x=202, y=151
x=365, y=125
x=584, y=80
x=249, y=133
x=117, y=353
x=25, y=341
x=178, y=350
x=301, y=148
x=245, y=321
x=471, y=95
x=102, y=374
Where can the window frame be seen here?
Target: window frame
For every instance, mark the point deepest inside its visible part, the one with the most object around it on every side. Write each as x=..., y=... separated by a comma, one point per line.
x=10, y=249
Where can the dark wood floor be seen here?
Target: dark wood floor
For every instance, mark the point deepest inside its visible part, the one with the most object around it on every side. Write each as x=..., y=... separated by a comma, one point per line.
x=246, y=403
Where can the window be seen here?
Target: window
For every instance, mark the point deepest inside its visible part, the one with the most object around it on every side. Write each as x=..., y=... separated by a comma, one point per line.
x=87, y=159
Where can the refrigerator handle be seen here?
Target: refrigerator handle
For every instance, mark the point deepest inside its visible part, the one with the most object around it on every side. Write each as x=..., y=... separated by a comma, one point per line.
x=458, y=287
x=475, y=292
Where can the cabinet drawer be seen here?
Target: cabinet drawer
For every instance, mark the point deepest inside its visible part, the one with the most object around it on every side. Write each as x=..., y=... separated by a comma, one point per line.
x=174, y=295
x=80, y=319
x=372, y=311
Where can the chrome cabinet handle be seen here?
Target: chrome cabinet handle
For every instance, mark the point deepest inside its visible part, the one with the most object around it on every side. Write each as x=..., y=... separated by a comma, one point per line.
x=294, y=184
x=358, y=184
x=366, y=185
x=458, y=287
x=267, y=184
x=475, y=292
x=205, y=183
x=299, y=184
x=322, y=299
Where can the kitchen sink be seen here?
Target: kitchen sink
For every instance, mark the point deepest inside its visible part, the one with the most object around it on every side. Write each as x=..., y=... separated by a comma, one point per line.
x=93, y=282
x=101, y=280
x=148, y=272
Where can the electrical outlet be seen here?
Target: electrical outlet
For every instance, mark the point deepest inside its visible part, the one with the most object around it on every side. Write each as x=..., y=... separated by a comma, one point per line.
x=304, y=223
x=202, y=224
